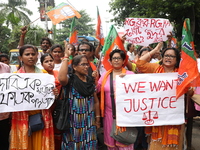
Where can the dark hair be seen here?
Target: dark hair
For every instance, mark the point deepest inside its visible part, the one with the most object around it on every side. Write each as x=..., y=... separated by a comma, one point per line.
x=55, y=46
x=44, y=56
x=77, y=59
x=4, y=55
x=177, y=53
x=85, y=43
x=143, y=50
x=46, y=39
x=122, y=54
x=128, y=46
x=72, y=46
x=24, y=47
x=92, y=47
x=85, y=40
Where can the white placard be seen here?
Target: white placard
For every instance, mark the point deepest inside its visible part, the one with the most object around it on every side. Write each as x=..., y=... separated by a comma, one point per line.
x=145, y=31
x=26, y=91
x=148, y=100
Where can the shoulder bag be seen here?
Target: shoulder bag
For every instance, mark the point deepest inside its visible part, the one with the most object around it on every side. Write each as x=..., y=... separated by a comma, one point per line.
x=61, y=110
x=127, y=137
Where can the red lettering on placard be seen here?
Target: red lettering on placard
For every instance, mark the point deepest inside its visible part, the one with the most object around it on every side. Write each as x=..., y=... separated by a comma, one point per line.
x=172, y=100
x=136, y=86
x=144, y=104
x=163, y=102
x=140, y=87
x=152, y=102
x=162, y=85
x=136, y=40
x=129, y=87
x=135, y=105
x=130, y=108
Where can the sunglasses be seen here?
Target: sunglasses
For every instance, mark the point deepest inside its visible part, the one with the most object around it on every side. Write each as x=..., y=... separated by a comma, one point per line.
x=86, y=50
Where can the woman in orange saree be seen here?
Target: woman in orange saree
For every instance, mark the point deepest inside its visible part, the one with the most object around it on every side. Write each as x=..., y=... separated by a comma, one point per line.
x=169, y=137
x=39, y=140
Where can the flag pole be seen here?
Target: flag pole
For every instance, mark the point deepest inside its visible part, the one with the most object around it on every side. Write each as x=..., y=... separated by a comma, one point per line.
x=32, y=22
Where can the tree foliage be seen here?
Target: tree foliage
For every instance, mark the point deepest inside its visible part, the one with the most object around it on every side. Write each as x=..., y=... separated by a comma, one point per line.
x=174, y=10
x=4, y=36
x=15, y=12
x=82, y=25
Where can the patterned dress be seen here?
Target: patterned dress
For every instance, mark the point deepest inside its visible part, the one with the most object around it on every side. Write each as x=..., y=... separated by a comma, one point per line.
x=81, y=134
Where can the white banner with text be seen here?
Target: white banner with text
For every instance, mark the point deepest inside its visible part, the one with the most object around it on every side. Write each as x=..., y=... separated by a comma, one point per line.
x=148, y=100
x=26, y=91
x=145, y=31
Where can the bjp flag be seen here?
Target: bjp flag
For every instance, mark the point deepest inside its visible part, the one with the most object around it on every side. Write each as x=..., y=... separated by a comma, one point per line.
x=99, y=30
x=112, y=40
x=73, y=38
x=188, y=75
x=62, y=12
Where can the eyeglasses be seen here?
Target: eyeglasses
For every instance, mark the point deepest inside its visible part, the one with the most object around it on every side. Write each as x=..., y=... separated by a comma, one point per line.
x=117, y=58
x=84, y=64
x=87, y=50
x=169, y=56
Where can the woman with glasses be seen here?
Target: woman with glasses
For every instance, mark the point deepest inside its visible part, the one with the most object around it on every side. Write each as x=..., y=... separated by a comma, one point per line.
x=117, y=59
x=84, y=105
x=171, y=137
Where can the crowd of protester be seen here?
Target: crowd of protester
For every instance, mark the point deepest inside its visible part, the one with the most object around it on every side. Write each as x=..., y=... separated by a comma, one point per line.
x=88, y=95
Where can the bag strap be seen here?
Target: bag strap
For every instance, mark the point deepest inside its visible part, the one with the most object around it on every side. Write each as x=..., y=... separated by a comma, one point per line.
x=65, y=89
x=112, y=96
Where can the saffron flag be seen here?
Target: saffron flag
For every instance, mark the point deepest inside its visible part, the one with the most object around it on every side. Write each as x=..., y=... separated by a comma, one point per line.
x=99, y=30
x=111, y=41
x=62, y=12
x=188, y=74
x=73, y=38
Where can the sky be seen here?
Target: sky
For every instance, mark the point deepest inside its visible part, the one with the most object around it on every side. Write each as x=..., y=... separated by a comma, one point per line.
x=89, y=5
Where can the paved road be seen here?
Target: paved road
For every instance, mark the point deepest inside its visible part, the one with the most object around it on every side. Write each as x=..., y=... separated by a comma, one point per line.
x=196, y=134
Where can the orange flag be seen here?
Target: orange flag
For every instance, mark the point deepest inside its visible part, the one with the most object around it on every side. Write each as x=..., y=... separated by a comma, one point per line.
x=73, y=38
x=188, y=75
x=111, y=41
x=62, y=12
x=99, y=30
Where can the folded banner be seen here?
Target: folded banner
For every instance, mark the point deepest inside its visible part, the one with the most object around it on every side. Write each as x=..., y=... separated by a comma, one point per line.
x=62, y=12
x=148, y=100
x=145, y=31
x=26, y=91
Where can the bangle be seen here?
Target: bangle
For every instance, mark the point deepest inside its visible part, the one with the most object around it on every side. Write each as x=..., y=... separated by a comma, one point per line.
x=65, y=59
x=97, y=116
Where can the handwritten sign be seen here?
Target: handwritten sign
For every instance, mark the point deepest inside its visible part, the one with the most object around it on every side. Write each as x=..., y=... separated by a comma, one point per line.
x=145, y=31
x=26, y=91
x=148, y=100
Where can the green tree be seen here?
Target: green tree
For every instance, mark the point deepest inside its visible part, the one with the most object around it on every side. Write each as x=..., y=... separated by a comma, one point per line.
x=34, y=35
x=83, y=26
x=15, y=12
x=4, y=36
x=174, y=10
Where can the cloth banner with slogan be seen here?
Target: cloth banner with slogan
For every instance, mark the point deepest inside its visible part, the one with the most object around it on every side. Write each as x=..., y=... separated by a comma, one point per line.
x=62, y=12
x=145, y=31
x=148, y=100
x=26, y=91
